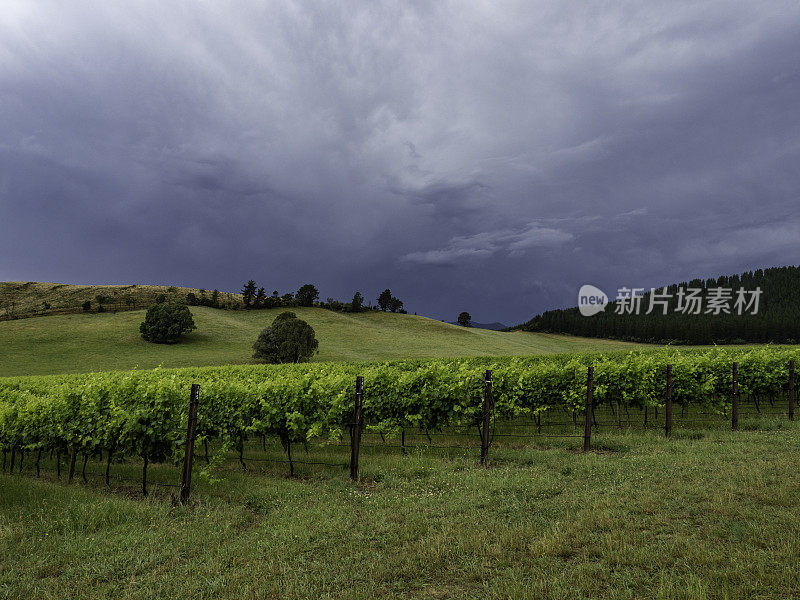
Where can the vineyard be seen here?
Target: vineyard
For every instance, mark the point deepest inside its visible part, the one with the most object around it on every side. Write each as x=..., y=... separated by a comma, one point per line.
x=142, y=415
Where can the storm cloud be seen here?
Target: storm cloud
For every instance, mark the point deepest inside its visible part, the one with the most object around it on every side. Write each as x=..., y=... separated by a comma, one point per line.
x=488, y=157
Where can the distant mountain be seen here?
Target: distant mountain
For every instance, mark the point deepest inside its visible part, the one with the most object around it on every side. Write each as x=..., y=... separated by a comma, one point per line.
x=777, y=320
x=493, y=326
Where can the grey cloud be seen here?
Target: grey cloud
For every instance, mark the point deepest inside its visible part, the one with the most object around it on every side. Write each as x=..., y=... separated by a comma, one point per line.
x=488, y=243
x=366, y=146
x=745, y=243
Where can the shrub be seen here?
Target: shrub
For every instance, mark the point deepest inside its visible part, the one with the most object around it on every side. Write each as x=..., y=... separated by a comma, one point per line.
x=165, y=323
x=287, y=340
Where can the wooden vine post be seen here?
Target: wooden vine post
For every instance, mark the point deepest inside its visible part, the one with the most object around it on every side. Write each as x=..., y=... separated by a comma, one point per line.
x=188, y=457
x=488, y=405
x=72, y=456
x=587, y=419
x=355, y=431
x=735, y=398
x=791, y=390
x=668, y=404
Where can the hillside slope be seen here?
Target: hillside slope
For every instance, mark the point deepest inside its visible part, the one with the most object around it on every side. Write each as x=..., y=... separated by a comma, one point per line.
x=93, y=342
x=33, y=298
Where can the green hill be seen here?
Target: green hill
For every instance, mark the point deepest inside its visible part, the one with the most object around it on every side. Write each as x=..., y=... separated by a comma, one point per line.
x=105, y=341
x=21, y=299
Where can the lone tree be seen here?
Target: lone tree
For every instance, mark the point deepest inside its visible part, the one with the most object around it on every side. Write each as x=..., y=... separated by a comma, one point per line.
x=307, y=295
x=165, y=323
x=465, y=319
x=287, y=340
x=357, y=303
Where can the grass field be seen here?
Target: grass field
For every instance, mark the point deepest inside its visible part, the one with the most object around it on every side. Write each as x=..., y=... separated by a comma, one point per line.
x=711, y=514
x=96, y=342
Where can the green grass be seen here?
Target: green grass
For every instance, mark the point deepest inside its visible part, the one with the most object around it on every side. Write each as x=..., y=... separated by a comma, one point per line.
x=106, y=341
x=710, y=514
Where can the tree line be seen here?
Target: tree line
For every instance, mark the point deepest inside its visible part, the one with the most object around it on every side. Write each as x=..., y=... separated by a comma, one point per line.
x=777, y=320
x=255, y=298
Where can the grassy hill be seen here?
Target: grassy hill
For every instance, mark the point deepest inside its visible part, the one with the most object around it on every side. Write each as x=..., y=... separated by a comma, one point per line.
x=32, y=298
x=94, y=342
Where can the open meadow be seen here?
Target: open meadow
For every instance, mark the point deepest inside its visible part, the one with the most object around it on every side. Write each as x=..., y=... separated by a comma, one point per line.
x=108, y=341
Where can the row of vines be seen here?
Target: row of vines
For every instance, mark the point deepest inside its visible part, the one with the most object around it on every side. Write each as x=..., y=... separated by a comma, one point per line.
x=143, y=413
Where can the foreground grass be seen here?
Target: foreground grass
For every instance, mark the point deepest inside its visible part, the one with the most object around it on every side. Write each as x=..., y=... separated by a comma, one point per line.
x=108, y=341
x=705, y=515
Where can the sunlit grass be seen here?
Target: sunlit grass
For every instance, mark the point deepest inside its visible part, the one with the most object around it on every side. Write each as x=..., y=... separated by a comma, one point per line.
x=107, y=341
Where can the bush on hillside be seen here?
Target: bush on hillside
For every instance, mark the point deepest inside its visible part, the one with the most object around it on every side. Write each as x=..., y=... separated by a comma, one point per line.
x=165, y=323
x=287, y=340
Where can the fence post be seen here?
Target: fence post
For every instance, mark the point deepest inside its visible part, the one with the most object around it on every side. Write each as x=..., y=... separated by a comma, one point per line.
x=735, y=399
x=587, y=426
x=188, y=457
x=355, y=431
x=791, y=390
x=488, y=405
x=72, y=455
x=668, y=404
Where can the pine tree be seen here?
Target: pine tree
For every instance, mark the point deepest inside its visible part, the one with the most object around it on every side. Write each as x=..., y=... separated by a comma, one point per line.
x=248, y=293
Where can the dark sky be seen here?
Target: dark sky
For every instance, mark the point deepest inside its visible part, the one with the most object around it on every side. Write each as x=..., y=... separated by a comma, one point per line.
x=480, y=156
